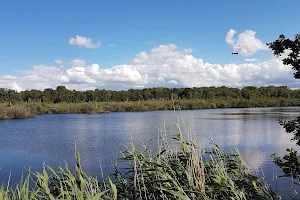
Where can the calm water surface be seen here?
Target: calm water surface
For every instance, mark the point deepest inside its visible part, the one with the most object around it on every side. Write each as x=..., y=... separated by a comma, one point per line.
x=50, y=138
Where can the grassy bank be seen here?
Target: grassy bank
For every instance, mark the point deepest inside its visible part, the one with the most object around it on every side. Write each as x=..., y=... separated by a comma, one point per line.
x=29, y=109
x=15, y=112
x=180, y=171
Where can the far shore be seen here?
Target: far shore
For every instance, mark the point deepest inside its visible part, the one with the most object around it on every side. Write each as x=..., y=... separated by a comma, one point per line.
x=21, y=110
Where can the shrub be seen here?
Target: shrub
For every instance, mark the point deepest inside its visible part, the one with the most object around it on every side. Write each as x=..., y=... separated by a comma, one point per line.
x=88, y=109
x=15, y=112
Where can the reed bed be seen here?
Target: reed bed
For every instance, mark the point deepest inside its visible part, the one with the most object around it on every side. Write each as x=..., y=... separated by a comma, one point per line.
x=185, y=171
x=22, y=110
x=15, y=112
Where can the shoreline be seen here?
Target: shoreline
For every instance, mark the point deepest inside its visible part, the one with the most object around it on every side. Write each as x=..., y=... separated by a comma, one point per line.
x=29, y=110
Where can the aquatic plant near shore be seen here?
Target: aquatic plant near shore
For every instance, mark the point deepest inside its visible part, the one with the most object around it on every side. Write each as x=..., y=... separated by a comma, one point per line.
x=15, y=112
x=134, y=106
x=185, y=172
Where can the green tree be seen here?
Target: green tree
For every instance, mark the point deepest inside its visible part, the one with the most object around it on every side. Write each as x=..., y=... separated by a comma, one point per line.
x=290, y=163
x=281, y=45
x=62, y=94
x=250, y=92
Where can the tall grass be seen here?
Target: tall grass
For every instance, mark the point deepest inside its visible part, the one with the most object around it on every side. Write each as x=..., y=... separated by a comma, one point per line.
x=24, y=110
x=60, y=184
x=187, y=172
x=179, y=170
x=15, y=112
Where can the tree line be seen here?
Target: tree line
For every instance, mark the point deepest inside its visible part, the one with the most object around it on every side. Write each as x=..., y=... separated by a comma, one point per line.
x=63, y=95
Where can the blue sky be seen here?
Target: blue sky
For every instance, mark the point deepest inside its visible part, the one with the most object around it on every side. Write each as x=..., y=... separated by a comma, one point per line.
x=37, y=32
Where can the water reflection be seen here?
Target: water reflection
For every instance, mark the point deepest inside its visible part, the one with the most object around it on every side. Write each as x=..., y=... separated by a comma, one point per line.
x=51, y=138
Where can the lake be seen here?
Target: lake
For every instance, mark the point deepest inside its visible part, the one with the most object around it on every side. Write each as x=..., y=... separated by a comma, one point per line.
x=51, y=138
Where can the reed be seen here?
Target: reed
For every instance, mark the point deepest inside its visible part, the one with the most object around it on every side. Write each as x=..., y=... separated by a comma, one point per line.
x=15, y=112
x=25, y=110
x=185, y=171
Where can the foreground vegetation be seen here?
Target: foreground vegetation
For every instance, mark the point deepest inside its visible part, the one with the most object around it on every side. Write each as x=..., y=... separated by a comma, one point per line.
x=181, y=171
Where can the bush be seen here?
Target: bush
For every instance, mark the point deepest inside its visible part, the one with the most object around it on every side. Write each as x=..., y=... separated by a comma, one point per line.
x=88, y=109
x=15, y=112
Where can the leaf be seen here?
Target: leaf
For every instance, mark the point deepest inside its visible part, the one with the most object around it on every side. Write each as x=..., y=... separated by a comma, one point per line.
x=177, y=194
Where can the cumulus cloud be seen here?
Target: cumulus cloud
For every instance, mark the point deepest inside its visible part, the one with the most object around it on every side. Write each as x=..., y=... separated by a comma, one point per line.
x=39, y=77
x=246, y=44
x=229, y=38
x=9, y=82
x=251, y=59
x=165, y=65
x=83, y=42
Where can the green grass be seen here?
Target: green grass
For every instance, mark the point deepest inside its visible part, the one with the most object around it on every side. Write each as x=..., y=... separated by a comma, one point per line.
x=25, y=110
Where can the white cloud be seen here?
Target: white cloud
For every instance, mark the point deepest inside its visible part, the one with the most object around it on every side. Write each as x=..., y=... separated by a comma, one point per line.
x=188, y=50
x=246, y=44
x=9, y=82
x=78, y=63
x=229, y=38
x=59, y=62
x=164, y=65
x=83, y=42
x=251, y=59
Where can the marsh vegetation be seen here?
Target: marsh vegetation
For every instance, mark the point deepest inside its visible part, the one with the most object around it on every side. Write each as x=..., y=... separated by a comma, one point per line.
x=22, y=110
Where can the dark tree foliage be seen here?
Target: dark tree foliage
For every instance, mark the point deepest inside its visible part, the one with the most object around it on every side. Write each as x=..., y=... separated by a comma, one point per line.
x=290, y=163
x=62, y=94
x=292, y=126
x=281, y=45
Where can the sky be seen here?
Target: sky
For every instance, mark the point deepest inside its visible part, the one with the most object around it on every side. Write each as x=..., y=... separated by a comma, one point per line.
x=138, y=44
